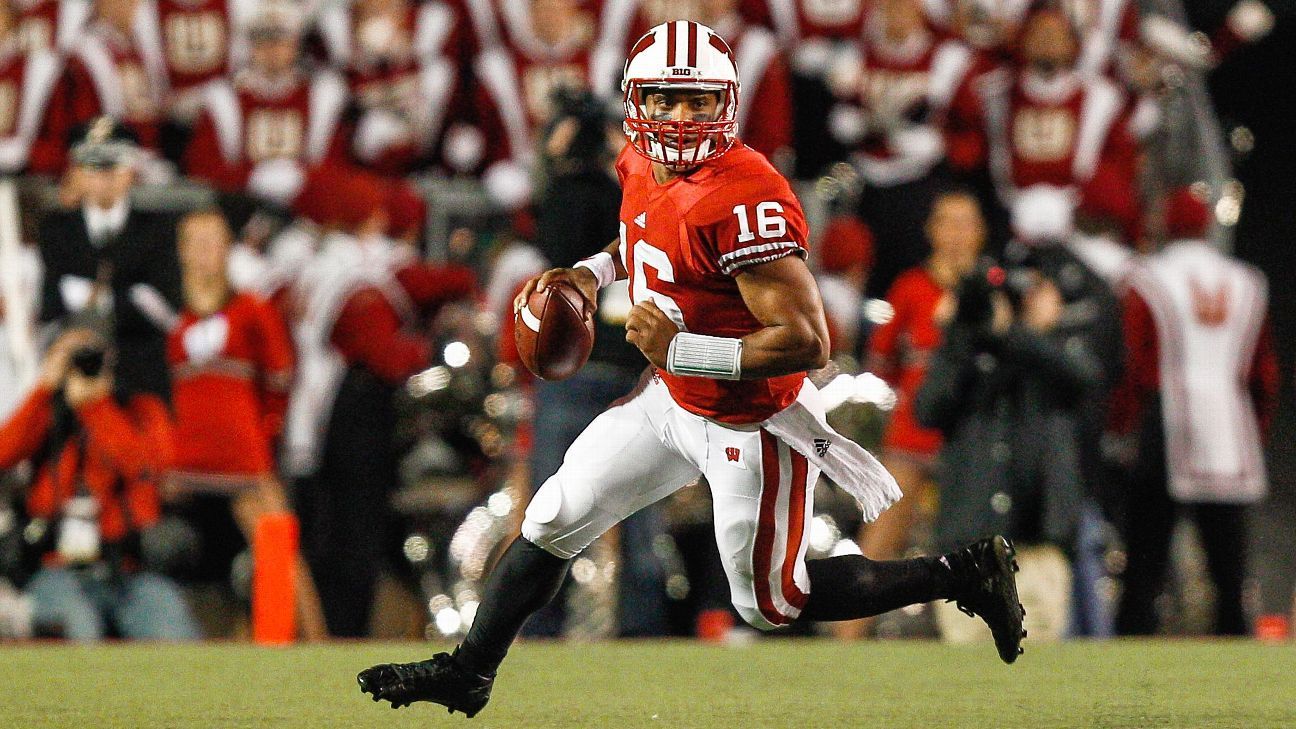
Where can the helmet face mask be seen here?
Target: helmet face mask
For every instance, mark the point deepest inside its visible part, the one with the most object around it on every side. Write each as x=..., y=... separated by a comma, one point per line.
x=684, y=58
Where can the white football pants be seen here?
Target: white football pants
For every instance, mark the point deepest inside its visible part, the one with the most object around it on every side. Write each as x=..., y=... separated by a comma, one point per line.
x=644, y=448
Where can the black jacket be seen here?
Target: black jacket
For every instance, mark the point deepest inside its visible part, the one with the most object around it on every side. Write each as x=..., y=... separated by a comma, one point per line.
x=143, y=253
x=1017, y=411
x=577, y=217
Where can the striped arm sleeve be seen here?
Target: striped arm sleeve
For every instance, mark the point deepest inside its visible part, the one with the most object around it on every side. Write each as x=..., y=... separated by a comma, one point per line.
x=734, y=261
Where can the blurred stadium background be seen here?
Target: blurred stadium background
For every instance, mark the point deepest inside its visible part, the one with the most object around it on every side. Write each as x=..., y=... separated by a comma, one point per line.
x=445, y=151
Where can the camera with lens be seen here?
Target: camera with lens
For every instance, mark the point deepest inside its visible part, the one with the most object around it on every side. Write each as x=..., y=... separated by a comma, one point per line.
x=589, y=145
x=977, y=289
x=89, y=360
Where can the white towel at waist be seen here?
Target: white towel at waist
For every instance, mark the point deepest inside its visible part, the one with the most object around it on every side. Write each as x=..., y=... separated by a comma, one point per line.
x=804, y=428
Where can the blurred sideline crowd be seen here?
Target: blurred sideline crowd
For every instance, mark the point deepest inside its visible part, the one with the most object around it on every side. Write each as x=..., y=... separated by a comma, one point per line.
x=258, y=257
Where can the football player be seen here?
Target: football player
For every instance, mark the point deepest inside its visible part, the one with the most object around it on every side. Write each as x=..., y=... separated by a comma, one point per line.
x=713, y=243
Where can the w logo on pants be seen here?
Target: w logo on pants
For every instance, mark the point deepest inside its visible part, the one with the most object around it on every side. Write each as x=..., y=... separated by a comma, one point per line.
x=733, y=455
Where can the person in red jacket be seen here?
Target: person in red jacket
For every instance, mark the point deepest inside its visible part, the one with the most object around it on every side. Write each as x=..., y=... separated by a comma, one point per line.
x=1046, y=122
x=96, y=461
x=892, y=94
x=399, y=60
x=231, y=365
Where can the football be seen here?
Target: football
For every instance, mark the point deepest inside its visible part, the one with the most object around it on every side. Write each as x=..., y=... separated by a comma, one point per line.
x=554, y=332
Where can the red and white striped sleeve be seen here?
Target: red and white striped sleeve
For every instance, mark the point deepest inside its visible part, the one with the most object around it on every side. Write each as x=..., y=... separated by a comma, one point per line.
x=759, y=224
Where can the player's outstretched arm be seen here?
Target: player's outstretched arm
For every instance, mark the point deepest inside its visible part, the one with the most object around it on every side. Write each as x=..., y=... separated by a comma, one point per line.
x=784, y=297
x=583, y=278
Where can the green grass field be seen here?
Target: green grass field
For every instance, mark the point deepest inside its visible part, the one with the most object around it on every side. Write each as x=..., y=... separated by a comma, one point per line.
x=773, y=683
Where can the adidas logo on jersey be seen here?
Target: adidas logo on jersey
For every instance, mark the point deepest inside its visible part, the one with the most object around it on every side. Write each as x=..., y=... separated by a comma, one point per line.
x=641, y=219
x=821, y=446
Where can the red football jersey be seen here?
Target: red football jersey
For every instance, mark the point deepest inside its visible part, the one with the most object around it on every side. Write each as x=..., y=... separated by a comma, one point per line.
x=1057, y=133
x=899, y=352
x=109, y=74
x=684, y=242
x=195, y=37
x=49, y=25
x=33, y=132
x=803, y=19
x=230, y=375
x=252, y=119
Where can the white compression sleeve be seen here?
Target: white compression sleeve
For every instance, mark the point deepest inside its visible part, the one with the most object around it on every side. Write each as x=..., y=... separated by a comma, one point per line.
x=602, y=266
x=698, y=355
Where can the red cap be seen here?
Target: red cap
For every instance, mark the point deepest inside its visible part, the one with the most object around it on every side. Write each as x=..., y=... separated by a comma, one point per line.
x=341, y=198
x=1109, y=199
x=1186, y=214
x=406, y=208
x=846, y=243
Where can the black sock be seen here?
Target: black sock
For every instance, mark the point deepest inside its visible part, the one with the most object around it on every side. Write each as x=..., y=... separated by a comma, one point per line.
x=525, y=580
x=853, y=586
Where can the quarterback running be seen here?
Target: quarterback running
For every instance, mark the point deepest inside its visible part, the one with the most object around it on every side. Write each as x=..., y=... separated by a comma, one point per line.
x=726, y=311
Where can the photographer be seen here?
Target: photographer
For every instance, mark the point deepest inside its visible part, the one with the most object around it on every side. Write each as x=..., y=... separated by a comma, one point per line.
x=1008, y=388
x=93, y=499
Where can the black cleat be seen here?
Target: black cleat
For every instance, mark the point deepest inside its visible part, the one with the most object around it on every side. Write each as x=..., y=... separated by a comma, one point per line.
x=439, y=679
x=991, y=592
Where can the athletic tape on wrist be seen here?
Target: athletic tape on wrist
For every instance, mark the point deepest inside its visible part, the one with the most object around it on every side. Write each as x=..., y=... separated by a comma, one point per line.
x=602, y=266
x=697, y=355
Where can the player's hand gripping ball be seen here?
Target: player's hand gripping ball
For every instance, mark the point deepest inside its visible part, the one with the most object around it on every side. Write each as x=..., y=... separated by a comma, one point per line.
x=553, y=326
x=651, y=330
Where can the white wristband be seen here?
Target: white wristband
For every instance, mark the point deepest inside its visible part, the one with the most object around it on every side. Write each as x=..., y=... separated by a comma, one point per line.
x=697, y=355
x=602, y=266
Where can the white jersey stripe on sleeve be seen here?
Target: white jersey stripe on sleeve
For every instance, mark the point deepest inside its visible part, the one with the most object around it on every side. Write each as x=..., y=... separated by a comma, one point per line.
x=757, y=249
x=732, y=266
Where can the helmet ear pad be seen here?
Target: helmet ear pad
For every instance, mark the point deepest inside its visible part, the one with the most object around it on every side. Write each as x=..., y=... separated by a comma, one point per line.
x=680, y=56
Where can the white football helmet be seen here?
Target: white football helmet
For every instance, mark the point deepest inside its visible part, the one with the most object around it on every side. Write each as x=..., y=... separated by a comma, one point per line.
x=680, y=55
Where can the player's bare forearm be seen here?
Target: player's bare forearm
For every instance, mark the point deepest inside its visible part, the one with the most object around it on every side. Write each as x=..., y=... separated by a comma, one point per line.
x=614, y=249
x=783, y=296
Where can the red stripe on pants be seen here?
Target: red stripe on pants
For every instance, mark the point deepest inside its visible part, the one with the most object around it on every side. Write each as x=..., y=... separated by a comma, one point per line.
x=796, y=529
x=762, y=552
